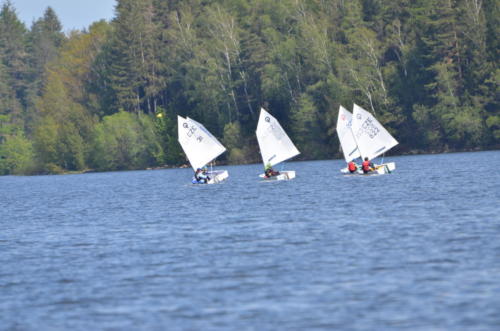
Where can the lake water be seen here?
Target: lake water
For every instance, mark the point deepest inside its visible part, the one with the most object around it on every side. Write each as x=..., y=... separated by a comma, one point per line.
x=417, y=249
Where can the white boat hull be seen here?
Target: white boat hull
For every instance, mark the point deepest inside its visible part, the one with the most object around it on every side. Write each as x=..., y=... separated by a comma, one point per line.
x=284, y=175
x=217, y=176
x=380, y=169
x=385, y=168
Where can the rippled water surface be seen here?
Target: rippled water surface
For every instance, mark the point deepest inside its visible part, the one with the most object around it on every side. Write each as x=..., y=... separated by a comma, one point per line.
x=416, y=249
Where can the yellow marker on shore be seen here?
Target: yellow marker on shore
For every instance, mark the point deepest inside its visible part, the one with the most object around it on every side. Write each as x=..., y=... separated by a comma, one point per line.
x=159, y=115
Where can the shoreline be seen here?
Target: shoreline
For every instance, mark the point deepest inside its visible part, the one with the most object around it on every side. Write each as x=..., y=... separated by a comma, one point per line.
x=338, y=156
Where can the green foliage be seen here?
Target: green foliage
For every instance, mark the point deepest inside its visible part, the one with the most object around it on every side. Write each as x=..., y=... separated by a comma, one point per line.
x=232, y=135
x=124, y=141
x=427, y=69
x=61, y=128
x=13, y=64
x=464, y=127
x=131, y=57
x=493, y=123
x=45, y=141
x=171, y=151
x=58, y=144
x=16, y=155
x=429, y=135
x=44, y=42
x=306, y=129
x=235, y=143
x=71, y=148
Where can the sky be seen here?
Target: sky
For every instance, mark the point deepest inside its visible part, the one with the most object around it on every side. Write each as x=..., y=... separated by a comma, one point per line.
x=73, y=14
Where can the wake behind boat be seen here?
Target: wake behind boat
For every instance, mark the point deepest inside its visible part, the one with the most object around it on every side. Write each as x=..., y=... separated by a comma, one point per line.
x=361, y=135
x=275, y=147
x=200, y=147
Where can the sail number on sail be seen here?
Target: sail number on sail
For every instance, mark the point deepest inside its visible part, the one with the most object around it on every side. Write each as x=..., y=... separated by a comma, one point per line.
x=368, y=127
x=192, y=131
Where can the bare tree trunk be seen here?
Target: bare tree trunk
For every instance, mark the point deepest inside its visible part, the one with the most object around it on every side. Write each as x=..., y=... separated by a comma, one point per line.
x=401, y=46
x=456, y=45
x=249, y=104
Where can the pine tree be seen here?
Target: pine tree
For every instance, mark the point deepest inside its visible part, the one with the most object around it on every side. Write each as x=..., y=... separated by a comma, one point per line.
x=45, y=40
x=132, y=57
x=14, y=60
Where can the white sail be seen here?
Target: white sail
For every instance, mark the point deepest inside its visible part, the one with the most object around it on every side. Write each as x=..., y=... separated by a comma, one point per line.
x=346, y=137
x=372, y=138
x=200, y=146
x=275, y=145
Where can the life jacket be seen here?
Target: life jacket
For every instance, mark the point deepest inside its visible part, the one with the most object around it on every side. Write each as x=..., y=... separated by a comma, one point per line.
x=366, y=166
x=352, y=166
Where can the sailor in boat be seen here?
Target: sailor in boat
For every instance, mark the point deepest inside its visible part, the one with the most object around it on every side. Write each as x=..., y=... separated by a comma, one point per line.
x=352, y=166
x=270, y=172
x=367, y=166
x=201, y=176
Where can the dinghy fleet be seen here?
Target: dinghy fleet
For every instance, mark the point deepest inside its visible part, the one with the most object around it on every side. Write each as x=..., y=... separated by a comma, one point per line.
x=360, y=134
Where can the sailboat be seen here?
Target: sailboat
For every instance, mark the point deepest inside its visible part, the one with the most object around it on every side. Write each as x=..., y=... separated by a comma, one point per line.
x=275, y=145
x=200, y=147
x=368, y=135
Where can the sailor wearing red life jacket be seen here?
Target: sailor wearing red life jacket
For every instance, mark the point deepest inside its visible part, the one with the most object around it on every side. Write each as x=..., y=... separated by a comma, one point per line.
x=367, y=166
x=352, y=167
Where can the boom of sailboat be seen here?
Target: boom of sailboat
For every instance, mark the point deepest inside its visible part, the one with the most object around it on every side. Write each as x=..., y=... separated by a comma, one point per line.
x=360, y=135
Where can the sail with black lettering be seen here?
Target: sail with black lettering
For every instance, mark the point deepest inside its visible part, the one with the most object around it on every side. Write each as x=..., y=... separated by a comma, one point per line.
x=200, y=146
x=275, y=145
x=371, y=137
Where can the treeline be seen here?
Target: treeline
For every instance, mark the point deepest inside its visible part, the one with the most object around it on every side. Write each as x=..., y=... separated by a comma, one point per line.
x=107, y=98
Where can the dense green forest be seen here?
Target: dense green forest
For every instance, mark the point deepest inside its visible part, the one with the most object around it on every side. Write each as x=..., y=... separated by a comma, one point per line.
x=92, y=99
